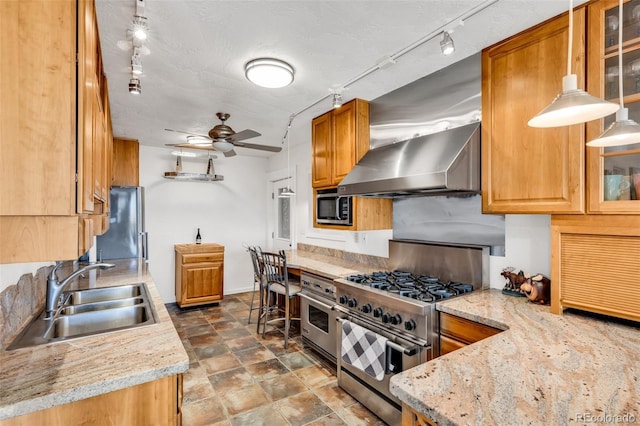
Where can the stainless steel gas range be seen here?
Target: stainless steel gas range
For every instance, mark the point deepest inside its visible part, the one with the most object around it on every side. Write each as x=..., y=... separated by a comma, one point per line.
x=393, y=314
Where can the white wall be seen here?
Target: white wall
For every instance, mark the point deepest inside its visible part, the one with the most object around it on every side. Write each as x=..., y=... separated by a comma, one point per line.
x=230, y=212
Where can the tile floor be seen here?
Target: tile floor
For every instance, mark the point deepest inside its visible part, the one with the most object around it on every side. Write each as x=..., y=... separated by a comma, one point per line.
x=237, y=378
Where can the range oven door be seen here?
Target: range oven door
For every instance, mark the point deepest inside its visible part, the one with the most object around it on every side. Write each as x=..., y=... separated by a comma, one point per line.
x=318, y=323
x=401, y=354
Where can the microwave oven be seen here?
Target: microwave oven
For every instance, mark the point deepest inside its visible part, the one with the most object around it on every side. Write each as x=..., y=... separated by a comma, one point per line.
x=333, y=209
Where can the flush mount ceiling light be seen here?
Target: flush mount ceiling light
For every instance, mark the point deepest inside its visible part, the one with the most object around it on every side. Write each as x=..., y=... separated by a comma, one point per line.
x=446, y=44
x=134, y=86
x=222, y=145
x=573, y=105
x=622, y=131
x=269, y=72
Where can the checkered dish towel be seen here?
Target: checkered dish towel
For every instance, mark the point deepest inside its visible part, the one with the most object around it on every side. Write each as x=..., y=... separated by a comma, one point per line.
x=364, y=349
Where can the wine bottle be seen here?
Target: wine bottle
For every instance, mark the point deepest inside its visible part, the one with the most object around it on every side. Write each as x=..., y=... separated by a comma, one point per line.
x=198, y=237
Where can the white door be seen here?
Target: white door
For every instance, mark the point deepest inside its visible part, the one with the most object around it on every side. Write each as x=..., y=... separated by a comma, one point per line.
x=282, y=233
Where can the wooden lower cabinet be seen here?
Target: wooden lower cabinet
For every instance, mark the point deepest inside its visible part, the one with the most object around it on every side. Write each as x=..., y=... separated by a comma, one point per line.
x=199, y=274
x=410, y=417
x=152, y=403
x=457, y=332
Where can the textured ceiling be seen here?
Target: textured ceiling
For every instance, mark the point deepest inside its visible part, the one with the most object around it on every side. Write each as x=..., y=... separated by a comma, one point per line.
x=198, y=50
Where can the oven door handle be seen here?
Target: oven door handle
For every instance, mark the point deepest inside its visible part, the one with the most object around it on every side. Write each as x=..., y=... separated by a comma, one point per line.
x=314, y=300
x=393, y=345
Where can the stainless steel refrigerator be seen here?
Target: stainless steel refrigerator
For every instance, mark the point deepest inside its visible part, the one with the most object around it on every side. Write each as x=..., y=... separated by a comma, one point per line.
x=126, y=237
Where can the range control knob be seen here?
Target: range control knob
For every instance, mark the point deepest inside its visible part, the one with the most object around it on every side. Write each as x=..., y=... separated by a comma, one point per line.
x=367, y=308
x=343, y=299
x=352, y=303
x=386, y=318
x=328, y=290
x=410, y=325
x=377, y=312
x=396, y=319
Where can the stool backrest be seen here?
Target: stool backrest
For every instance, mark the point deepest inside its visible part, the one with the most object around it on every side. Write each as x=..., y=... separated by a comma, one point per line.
x=275, y=267
x=256, y=259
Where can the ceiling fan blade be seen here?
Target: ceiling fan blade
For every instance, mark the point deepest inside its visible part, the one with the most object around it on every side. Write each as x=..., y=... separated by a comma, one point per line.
x=207, y=147
x=240, y=136
x=187, y=133
x=260, y=147
x=230, y=153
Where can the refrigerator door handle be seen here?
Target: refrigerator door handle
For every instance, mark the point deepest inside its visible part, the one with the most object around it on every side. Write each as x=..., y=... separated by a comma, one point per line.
x=145, y=245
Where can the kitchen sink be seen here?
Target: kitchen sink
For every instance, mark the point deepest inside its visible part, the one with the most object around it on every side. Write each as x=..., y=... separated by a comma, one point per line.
x=93, y=295
x=90, y=312
x=92, y=322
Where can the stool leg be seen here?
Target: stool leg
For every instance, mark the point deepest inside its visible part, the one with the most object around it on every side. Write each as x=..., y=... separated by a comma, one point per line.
x=286, y=321
x=266, y=313
x=251, y=308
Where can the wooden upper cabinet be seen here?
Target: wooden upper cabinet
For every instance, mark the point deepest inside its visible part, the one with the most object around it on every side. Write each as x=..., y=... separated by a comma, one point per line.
x=613, y=173
x=321, y=150
x=339, y=139
x=126, y=159
x=526, y=169
x=52, y=198
x=37, y=82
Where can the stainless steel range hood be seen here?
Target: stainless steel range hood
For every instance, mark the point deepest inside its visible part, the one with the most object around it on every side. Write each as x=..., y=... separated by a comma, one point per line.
x=440, y=163
x=410, y=154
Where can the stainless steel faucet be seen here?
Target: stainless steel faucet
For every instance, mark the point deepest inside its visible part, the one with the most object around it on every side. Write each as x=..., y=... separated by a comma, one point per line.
x=54, y=288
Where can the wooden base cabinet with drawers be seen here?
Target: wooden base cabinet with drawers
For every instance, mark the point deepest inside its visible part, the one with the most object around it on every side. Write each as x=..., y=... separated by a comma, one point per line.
x=457, y=332
x=153, y=403
x=199, y=273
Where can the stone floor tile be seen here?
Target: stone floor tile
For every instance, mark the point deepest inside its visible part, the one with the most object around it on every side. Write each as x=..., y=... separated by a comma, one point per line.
x=302, y=408
x=205, y=339
x=331, y=420
x=204, y=352
x=234, y=333
x=283, y=386
x=334, y=396
x=267, y=415
x=296, y=360
x=205, y=412
x=231, y=380
x=244, y=400
x=253, y=355
x=358, y=415
x=316, y=376
x=267, y=369
x=219, y=364
x=197, y=392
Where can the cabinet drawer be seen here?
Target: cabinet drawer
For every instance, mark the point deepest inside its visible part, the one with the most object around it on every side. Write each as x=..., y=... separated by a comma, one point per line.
x=202, y=257
x=464, y=330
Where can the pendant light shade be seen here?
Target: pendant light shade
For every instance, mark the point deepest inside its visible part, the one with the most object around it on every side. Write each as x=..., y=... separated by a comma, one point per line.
x=573, y=105
x=623, y=131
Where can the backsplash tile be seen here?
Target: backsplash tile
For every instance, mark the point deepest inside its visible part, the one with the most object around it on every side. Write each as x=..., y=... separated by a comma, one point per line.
x=373, y=261
x=19, y=302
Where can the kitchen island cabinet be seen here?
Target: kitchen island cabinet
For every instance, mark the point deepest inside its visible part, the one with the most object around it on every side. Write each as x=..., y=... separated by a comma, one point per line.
x=526, y=169
x=199, y=274
x=134, y=372
x=457, y=332
x=543, y=369
x=55, y=147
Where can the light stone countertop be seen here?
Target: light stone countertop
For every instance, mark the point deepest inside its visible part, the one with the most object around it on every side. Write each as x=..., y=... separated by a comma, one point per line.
x=44, y=376
x=545, y=369
x=324, y=265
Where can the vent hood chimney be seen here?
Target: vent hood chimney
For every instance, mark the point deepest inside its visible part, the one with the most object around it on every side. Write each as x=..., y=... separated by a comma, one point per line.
x=410, y=154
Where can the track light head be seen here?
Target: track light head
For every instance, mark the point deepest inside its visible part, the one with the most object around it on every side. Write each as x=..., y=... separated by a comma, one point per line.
x=134, y=86
x=337, y=100
x=446, y=44
x=140, y=28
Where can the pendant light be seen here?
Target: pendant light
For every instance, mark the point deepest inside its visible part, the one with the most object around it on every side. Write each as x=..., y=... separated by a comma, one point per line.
x=573, y=105
x=622, y=131
x=288, y=192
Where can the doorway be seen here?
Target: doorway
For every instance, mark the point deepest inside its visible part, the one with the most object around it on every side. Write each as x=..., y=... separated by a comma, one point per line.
x=282, y=207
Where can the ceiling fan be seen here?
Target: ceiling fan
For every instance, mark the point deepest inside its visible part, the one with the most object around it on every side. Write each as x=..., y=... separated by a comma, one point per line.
x=222, y=138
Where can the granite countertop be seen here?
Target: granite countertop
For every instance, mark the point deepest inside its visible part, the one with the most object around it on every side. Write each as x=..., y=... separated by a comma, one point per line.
x=327, y=266
x=44, y=376
x=544, y=369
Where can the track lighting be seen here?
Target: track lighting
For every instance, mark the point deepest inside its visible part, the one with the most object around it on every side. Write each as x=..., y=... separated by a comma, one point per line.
x=446, y=44
x=337, y=100
x=134, y=86
x=136, y=62
x=140, y=28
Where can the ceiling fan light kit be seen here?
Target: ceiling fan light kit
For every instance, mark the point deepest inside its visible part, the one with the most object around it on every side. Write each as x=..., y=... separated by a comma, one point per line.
x=222, y=145
x=269, y=72
x=573, y=105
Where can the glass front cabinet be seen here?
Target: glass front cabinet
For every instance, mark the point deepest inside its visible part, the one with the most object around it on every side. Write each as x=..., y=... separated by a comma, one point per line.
x=613, y=173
